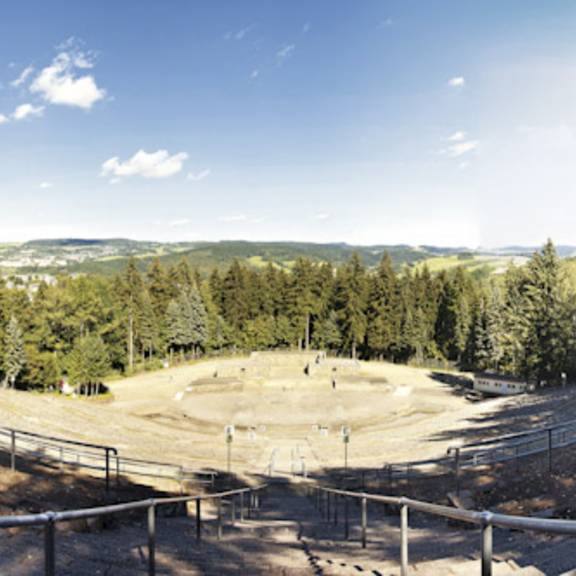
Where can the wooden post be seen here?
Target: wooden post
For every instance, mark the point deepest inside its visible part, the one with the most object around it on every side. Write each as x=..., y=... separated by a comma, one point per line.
x=404, y=540
x=364, y=520
x=151, y=538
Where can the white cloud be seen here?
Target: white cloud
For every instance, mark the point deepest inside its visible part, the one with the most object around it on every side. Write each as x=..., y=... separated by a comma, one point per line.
x=60, y=83
x=24, y=75
x=386, y=23
x=199, y=176
x=179, y=222
x=457, y=82
x=4, y=119
x=242, y=33
x=254, y=74
x=461, y=148
x=321, y=216
x=157, y=164
x=45, y=185
x=284, y=53
x=27, y=111
x=233, y=218
x=306, y=27
x=457, y=136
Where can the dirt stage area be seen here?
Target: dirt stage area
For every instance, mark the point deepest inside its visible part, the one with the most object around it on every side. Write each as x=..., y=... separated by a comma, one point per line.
x=287, y=417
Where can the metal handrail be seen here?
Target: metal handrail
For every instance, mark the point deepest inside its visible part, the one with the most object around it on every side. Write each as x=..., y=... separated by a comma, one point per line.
x=533, y=442
x=101, y=459
x=328, y=505
x=49, y=519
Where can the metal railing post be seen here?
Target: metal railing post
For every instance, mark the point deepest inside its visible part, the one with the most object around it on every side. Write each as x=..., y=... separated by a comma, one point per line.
x=219, y=505
x=336, y=498
x=13, y=450
x=364, y=520
x=198, y=520
x=107, y=469
x=233, y=509
x=346, y=519
x=327, y=518
x=241, y=506
x=486, y=547
x=404, y=540
x=549, y=450
x=49, y=546
x=151, y=538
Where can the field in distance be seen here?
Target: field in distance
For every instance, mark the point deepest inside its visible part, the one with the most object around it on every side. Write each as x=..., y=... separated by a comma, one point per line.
x=109, y=256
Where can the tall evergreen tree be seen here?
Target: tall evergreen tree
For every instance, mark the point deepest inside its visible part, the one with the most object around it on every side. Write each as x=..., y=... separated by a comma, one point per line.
x=383, y=314
x=351, y=300
x=14, y=356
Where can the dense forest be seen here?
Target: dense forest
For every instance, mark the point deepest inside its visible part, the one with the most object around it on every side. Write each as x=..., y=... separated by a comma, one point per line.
x=522, y=322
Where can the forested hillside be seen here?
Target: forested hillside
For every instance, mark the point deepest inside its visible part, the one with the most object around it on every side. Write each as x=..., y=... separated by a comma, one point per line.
x=110, y=256
x=84, y=327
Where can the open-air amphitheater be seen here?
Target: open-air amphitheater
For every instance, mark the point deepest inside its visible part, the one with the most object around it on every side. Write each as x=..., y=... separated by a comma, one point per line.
x=288, y=463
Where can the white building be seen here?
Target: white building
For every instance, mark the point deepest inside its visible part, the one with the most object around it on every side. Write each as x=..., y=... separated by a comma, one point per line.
x=499, y=384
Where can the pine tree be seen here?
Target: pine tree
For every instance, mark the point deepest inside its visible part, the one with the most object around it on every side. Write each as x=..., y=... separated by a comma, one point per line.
x=453, y=321
x=303, y=301
x=548, y=334
x=14, y=356
x=131, y=287
x=351, y=302
x=383, y=310
x=235, y=297
x=88, y=363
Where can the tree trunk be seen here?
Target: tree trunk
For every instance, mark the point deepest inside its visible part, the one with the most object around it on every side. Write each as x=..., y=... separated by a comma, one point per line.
x=307, y=331
x=131, y=342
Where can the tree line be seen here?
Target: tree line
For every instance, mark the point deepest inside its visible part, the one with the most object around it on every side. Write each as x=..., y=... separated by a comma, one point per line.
x=520, y=323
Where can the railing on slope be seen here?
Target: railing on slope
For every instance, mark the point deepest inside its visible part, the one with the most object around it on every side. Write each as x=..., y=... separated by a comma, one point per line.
x=328, y=499
x=486, y=452
x=94, y=457
x=50, y=519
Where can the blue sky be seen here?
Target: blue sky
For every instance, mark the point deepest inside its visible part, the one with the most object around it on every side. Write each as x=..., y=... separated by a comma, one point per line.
x=359, y=121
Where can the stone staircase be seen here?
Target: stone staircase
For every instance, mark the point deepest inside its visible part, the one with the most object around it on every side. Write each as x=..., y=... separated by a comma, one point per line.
x=288, y=537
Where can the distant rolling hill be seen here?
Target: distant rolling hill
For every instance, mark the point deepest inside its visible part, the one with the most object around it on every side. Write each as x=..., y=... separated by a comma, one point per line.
x=78, y=255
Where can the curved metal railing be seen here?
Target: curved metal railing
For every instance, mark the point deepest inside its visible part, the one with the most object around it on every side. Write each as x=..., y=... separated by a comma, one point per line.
x=50, y=519
x=487, y=452
x=327, y=502
x=93, y=457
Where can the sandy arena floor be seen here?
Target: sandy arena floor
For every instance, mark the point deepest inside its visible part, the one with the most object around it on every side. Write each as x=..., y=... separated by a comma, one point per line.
x=395, y=413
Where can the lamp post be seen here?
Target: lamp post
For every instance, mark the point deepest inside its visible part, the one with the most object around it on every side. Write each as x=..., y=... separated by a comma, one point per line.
x=229, y=435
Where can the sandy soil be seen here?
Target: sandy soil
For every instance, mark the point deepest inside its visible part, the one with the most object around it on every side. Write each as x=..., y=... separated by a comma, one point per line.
x=395, y=413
